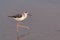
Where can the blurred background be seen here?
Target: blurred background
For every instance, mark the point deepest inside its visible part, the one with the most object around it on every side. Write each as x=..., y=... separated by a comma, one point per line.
x=44, y=22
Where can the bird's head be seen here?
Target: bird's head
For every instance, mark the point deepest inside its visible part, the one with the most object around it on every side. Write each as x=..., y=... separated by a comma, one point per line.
x=27, y=13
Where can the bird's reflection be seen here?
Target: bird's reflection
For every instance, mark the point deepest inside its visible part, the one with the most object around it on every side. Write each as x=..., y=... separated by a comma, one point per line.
x=19, y=36
x=24, y=26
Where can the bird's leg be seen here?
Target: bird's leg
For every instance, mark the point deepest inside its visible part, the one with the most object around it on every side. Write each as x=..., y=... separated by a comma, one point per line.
x=18, y=34
x=23, y=26
x=17, y=26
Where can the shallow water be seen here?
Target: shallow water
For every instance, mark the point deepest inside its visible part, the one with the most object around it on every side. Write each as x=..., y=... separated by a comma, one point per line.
x=44, y=22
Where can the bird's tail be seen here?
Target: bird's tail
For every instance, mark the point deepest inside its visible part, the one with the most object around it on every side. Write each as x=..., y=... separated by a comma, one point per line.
x=10, y=16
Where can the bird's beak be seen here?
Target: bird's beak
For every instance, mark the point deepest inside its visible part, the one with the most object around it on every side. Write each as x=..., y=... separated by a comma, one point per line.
x=29, y=14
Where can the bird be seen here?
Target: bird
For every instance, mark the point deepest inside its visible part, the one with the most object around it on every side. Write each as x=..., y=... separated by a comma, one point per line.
x=20, y=17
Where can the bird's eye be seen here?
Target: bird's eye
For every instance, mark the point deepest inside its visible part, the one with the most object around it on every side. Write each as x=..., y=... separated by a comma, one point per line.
x=25, y=11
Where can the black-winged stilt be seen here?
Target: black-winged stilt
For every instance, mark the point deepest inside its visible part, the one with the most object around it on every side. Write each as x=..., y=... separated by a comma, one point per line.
x=20, y=17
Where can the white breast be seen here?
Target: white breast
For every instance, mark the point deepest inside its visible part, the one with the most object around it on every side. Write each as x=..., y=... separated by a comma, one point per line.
x=22, y=18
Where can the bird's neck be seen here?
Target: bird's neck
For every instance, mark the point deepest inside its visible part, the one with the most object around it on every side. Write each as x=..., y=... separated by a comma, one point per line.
x=25, y=15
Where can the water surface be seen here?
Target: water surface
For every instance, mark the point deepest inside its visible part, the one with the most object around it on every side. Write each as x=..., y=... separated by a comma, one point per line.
x=44, y=23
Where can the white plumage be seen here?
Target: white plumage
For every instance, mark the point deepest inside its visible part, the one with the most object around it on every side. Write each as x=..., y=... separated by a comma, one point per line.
x=20, y=17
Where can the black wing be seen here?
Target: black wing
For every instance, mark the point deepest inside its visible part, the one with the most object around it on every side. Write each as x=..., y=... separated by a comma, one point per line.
x=19, y=15
x=16, y=16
